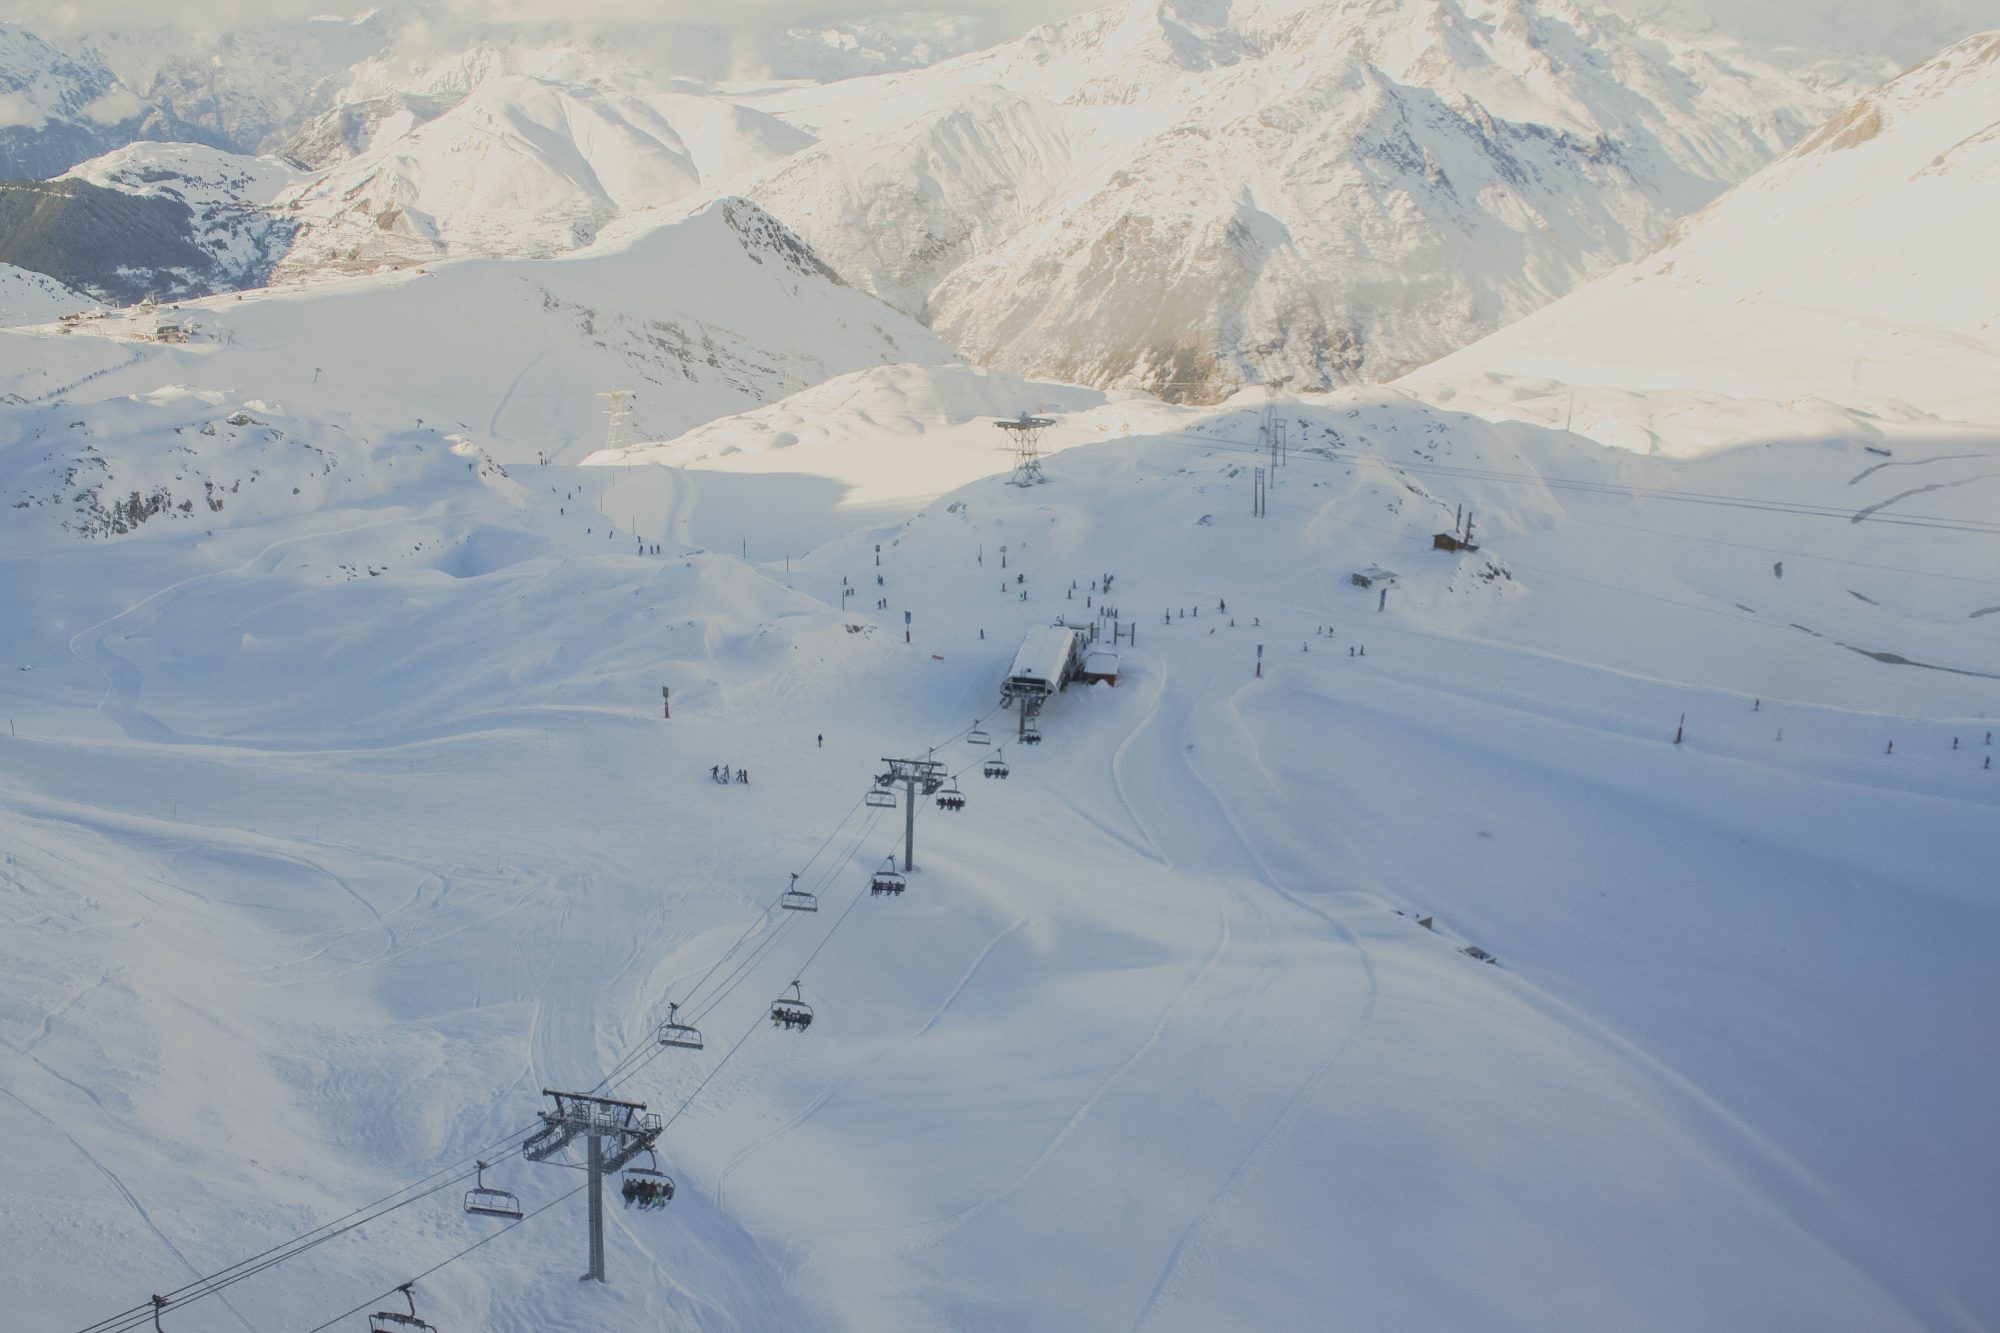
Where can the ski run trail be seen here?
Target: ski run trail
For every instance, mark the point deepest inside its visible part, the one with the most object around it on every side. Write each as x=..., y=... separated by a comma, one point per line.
x=339, y=819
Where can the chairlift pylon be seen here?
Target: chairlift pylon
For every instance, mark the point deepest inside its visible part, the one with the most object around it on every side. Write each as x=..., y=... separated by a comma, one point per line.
x=792, y=1012
x=394, y=1321
x=673, y=1032
x=488, y=1202
x=796, y=899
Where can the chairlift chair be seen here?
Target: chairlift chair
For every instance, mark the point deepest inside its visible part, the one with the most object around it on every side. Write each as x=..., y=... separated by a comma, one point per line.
x=881, y=800
x=797, y=899
x=996, y=767
x=491, y=1202
x=978, y=737
x=1031, y=735
x=886, y=880
x=647, y=1186
x=393, y=1321
x=951, y=798
x=791, y=1011
x=673, y=1032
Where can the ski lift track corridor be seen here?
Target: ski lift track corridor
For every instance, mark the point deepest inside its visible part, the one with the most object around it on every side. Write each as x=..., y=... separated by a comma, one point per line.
x=686, y=1013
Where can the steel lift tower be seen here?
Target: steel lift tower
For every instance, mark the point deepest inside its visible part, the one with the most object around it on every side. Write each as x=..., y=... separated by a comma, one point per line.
x=1025, y=440
x=617, y=1133
x=920, y=777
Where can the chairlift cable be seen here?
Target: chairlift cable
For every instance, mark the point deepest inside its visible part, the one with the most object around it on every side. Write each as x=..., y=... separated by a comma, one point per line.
x=741, y=974
x=491, y=1236
x=221, y=1279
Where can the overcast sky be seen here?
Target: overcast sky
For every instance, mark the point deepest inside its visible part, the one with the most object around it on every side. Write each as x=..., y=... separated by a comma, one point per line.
x=90, y=14
x=1906, y=29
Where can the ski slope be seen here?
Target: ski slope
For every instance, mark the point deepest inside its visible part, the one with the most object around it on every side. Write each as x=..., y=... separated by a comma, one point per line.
x=699, y=316
x=339, y=824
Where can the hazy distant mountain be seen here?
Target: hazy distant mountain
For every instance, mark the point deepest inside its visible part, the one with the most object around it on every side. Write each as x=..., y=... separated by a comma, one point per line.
x=1187, y=194
x=1858, y=268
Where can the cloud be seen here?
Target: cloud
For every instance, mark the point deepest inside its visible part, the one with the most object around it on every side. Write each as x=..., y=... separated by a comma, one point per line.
x=214, y=15
x=113, y=107
x=18, y=113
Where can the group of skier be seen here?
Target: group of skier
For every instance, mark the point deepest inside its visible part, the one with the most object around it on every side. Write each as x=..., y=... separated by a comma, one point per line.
x=722, y=773
x=647, y=1193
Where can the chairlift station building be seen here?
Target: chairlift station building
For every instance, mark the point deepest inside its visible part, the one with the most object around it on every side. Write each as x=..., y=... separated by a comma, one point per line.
x=1050, y=655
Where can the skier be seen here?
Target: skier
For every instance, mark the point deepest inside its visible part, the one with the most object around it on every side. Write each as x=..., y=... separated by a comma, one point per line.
x=822, y=740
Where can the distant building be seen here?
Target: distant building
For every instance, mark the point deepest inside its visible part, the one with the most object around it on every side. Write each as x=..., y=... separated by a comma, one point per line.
x=1049, y=657
x=1100, y=666
x=1372, y=577
x=1451, y=541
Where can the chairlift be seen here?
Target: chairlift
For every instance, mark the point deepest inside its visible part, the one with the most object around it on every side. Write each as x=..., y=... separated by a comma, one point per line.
x=791, y=1011
x=673, y=1032
x=996, y=767
x=797, y=899
x=647, y=1186
x=1030, y=733
x=491, y=1202
x=978, y=737
x=881, y=800
x=886, y=880
x=951, y=798
x=393, y=1321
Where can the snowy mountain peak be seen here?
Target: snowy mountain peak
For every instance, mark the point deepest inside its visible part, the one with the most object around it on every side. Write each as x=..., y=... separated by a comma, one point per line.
x=1187, y=195
x=1967, y=73
x=1858, y=269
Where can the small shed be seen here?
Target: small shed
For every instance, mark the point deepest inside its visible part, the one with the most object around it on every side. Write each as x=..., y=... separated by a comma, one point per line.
x=1100, y=665
x=1451, y=541
x=1372, y=577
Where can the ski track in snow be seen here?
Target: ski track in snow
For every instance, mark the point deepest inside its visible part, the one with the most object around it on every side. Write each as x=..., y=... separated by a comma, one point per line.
x=818, y=1103
x=131, y=1199
x=1914, y=462
x=1288, y=1109
x=1862, y=514
x=507, y=395
x=123, y=679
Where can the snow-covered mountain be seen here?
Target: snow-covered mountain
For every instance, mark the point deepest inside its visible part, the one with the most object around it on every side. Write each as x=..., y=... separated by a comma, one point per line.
x=701, y=316
x=229, y=217
x=1188, y=194
x=1858, y=269
x=253, y=83
x=36, y=298
x=1808, y=32
x=520, y=165
x=59, y=107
